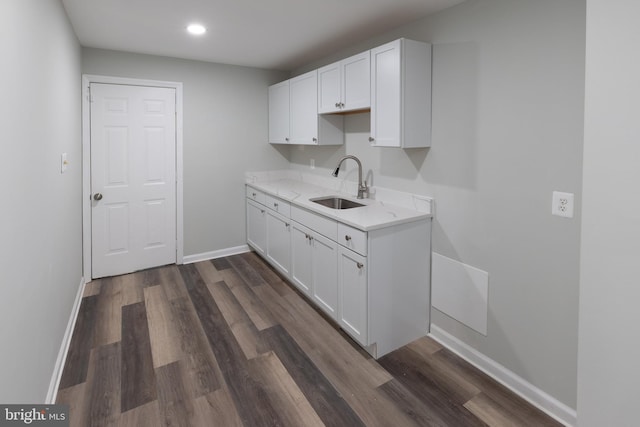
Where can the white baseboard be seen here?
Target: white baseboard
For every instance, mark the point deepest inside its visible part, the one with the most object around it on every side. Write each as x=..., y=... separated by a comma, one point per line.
x=64, y=347
x=546, y=403
x=188, y=259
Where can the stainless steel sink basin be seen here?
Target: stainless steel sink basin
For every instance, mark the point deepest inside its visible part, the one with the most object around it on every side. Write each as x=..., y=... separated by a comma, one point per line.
x=335, y=202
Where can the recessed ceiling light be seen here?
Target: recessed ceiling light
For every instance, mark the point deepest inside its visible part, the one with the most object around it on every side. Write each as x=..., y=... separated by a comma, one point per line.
x=196, y=29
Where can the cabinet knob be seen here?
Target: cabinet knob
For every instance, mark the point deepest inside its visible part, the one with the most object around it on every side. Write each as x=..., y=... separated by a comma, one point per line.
x=286, y=139
x=254, y=194
x=275, y=205
x=262, y=211
x=342, y=105
x=371, y=139
x=360, y=265
x=315, y=140
x=337, y=104
x=347, y=238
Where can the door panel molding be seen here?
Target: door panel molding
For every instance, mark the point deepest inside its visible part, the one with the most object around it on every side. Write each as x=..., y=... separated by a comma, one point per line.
x=87, y=79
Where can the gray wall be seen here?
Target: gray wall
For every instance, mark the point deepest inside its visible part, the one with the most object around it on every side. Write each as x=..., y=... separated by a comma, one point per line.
x=225, y=134
x=40, y=218
x=508, y=89
x=608, y=374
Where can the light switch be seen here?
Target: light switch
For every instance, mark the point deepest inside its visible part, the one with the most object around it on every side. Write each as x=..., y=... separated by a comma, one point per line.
x=63, y=162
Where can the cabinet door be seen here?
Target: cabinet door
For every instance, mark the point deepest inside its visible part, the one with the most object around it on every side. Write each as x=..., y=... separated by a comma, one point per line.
x=301, y=257
x=304, y=109
x=385, y=95
x=356, y=82
x=352, y=285
x=256, y=226
x=325, y=274
x=278, y=248
x=279, y=113
x=329, y=83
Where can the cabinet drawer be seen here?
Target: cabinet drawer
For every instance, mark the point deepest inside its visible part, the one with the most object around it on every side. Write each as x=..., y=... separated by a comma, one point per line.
x=325, y=226
x=278, y=205
x=255, y=195
x=352, y=238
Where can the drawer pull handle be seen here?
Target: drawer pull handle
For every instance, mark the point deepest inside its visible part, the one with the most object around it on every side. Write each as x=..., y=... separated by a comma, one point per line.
x=360, y=265
x=347, y=238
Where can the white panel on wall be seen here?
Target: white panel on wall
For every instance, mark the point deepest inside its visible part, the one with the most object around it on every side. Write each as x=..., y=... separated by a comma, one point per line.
x=460, y=291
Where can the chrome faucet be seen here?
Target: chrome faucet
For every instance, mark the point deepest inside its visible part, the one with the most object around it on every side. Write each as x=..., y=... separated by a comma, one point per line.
x=363, y=190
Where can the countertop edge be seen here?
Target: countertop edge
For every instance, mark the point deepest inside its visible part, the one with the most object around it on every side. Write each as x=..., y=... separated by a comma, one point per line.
x=327, y=212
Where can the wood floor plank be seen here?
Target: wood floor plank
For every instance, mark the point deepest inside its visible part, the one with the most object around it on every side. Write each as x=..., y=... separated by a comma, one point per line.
x=418, y=373
x=241, y=326
x=130, y=287
x=264, y=270
x=498, y=393
x=165, y=342
x=216, y=406
x=147, y=415
x=244, y=270
x=172, y=282
x=424, y=345
x=75, y=371
x=255, y=309
x=103, y=387
x=199, y=364
x=108, y=324
x=491, y=413
x=355, y=378
x=138, y=382
x=332, y=409
x=92, y=288
x=293, y=407
x=250, y=399
x=220, y=264
x=208, y=272
x=431, y=386
x=419, y=412
x=75, y=397
x=174, y=404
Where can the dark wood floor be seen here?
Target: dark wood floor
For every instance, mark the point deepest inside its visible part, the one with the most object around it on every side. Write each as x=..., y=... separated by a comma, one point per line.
x=229, y=343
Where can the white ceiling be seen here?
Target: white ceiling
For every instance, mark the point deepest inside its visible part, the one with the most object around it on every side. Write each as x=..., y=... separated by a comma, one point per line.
x=273, y=34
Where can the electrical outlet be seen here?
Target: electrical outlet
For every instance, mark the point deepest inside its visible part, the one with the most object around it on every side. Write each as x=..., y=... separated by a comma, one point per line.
x=562, y=204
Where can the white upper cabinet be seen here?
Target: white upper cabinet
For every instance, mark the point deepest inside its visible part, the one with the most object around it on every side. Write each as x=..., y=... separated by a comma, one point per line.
x=295, y=120
x=279, y=113
x=304, y=111
x=345, y=85
x=401, y=94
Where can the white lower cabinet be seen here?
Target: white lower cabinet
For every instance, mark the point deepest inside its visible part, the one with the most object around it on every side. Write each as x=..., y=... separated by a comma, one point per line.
x=352, y=285
x=314, y=267
x=375, y=284
x=278, y=245
x=257, y=226
x=325, y=274
x=301, y=258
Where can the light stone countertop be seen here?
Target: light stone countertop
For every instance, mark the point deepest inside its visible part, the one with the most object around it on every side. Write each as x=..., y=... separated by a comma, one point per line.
x=374, y=215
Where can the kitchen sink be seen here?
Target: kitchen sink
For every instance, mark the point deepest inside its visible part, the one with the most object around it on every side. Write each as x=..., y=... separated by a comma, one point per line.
x=335, y=202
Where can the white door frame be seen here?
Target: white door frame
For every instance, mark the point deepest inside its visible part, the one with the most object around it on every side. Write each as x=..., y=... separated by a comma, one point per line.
x=87, y=79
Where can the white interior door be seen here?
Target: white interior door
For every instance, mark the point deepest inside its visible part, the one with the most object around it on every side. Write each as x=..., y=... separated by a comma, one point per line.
x=133, y=178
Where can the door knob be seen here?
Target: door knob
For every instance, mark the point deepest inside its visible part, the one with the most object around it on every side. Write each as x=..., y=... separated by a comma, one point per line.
x=97, y=196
